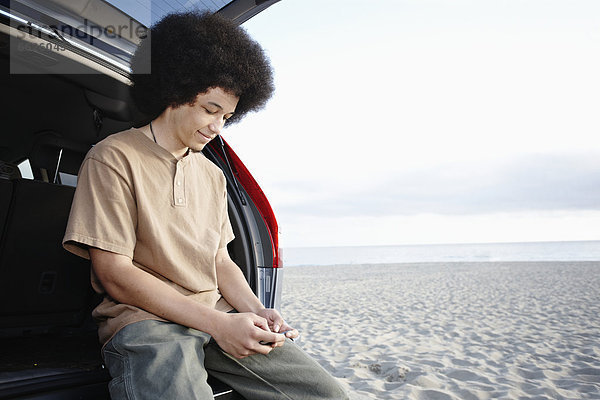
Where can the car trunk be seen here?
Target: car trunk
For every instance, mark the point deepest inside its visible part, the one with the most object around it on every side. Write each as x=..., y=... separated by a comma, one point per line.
x=48, y=342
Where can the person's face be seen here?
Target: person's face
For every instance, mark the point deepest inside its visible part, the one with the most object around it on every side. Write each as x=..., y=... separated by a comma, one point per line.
x=198, y=124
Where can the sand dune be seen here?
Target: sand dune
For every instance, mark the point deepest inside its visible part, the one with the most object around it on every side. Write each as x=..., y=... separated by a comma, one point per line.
x=454, y=330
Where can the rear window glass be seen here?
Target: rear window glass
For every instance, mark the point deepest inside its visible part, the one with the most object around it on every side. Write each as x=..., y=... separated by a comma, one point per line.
x=25, y=168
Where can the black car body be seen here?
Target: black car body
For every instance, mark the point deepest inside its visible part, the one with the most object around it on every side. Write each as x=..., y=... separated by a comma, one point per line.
x=65, y=85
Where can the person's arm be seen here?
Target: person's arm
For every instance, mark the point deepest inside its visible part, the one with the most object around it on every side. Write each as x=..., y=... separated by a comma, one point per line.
x=235, y=289
x=237, y=334
x=233, y=285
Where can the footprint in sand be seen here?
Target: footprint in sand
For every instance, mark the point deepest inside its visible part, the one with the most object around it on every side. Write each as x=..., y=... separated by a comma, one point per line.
x=391, y=374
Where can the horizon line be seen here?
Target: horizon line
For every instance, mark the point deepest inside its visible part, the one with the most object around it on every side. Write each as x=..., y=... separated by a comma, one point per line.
x=441, y=244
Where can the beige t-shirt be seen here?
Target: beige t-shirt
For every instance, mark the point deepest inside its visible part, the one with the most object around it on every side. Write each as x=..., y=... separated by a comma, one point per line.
x=169, y=216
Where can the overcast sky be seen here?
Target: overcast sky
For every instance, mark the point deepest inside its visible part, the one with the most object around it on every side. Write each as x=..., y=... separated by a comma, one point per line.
x=403, y=122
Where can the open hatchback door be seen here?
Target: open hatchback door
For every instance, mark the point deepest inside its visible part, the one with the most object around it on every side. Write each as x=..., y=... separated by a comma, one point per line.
x=65, y=80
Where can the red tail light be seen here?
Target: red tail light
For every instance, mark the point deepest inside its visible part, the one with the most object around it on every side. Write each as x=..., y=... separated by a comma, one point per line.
x=258, y=197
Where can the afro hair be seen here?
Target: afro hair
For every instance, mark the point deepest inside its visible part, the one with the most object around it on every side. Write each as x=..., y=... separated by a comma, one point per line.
x=189, y=53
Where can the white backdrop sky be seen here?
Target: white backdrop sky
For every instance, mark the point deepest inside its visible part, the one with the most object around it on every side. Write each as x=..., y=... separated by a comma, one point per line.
x=429, y=121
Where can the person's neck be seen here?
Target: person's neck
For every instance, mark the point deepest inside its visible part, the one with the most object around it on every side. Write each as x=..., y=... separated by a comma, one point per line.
x=163, y=134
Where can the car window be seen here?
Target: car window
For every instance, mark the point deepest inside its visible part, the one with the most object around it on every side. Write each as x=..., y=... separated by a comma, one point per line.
x=25, y=168
x=149, y=11
x=67, y=179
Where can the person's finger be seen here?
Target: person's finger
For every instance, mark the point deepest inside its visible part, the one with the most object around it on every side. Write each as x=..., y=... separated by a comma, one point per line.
x=274, y=318
x=278, y=323
x=281, y=340
x=263, y=349
x=270, y=339
x=292, y=334
x=289, y=331
x=261, y=323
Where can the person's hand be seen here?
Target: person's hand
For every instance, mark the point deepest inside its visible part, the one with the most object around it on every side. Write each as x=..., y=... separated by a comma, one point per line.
x=240, y=335
x=277, y=324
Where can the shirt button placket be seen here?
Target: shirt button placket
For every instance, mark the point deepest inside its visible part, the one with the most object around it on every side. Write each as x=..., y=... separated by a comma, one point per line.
x=178, y=186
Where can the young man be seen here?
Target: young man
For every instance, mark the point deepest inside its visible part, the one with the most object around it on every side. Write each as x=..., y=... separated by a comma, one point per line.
x=150, y=211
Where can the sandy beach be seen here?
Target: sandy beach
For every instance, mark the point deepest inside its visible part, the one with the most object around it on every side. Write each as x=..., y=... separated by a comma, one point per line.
x=452, y=330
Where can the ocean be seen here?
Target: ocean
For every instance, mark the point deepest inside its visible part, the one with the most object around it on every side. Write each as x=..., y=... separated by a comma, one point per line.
x=483, y=252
